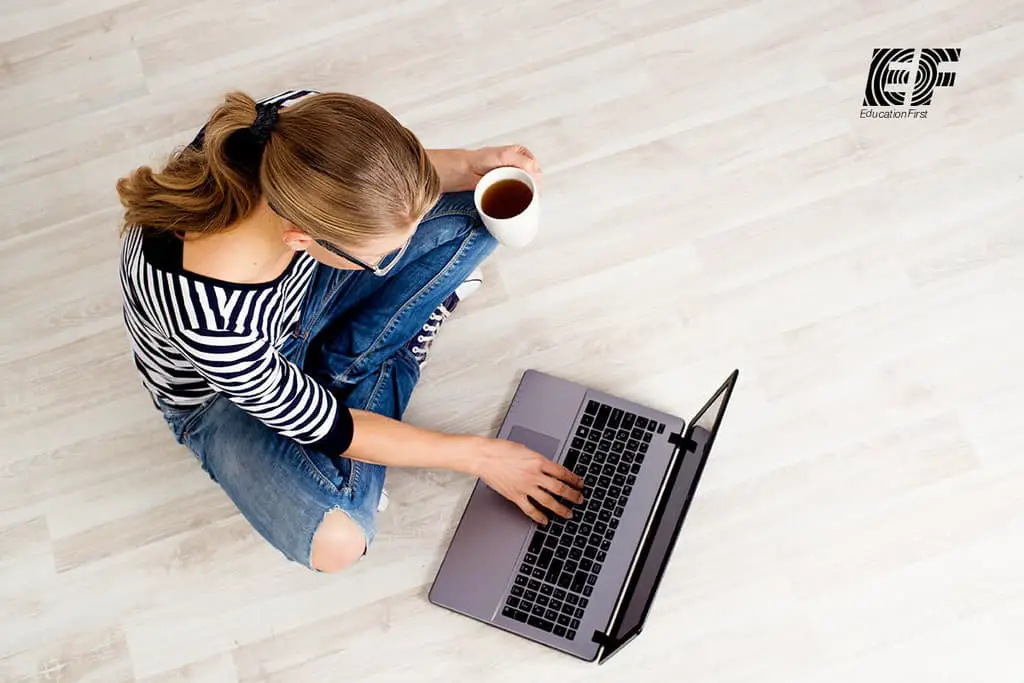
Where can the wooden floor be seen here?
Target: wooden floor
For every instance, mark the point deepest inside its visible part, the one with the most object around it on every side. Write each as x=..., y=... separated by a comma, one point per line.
x=713, y=200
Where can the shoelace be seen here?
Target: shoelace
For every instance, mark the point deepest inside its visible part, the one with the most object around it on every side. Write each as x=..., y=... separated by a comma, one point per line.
x=431, y=330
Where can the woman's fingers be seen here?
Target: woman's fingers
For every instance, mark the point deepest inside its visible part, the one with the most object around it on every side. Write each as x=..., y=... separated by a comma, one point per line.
x=527, y=506
x=562, y=489
x=566, y=475
x=548, y=501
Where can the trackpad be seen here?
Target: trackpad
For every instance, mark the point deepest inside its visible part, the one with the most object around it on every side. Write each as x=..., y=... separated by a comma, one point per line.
x=535, y=441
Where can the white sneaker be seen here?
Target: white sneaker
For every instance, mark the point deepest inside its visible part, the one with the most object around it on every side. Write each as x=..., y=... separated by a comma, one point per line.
x=384, y=500
x=420, y=344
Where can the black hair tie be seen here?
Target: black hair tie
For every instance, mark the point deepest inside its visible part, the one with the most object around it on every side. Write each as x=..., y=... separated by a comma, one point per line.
x=266, y=119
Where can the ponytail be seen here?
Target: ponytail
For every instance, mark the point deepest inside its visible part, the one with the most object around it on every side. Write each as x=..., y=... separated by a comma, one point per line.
x=201, y=190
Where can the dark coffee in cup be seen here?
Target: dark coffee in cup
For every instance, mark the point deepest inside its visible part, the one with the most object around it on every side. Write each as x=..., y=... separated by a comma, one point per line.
x=506, y=198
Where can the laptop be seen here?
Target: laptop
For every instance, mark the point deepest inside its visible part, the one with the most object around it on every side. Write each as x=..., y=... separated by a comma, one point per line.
x=582, y=586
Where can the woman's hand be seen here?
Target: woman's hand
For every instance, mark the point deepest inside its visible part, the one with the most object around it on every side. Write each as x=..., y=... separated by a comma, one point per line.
x=526, y=478
x=462, y=169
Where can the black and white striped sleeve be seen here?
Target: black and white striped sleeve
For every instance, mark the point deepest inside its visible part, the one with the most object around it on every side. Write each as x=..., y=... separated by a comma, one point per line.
x=257, y=378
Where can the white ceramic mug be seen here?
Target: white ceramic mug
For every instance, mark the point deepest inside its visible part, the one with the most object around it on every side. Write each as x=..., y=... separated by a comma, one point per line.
x=519, y=230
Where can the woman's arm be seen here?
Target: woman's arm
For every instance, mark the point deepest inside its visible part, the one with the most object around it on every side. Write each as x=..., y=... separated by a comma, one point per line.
x=462, y=169
x=524, y=477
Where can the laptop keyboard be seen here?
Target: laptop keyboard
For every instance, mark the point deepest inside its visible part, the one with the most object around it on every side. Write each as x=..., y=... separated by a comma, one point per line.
x=557, y=575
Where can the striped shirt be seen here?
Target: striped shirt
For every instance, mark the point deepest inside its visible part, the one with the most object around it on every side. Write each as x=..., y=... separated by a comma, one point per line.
x=194, y=337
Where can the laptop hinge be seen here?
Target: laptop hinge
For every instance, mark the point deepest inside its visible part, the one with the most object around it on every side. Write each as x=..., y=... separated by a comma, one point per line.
x=601, y=638
x=684, y=443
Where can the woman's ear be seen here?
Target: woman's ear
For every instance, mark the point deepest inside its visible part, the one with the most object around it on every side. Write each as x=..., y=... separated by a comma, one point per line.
x=295, y=239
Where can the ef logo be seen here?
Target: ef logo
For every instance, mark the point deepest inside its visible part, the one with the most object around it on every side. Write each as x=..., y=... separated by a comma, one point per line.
x=889, y=77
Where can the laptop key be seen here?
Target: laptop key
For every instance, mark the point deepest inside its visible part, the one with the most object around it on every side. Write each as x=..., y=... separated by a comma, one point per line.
x=553, y=571
x=619, y=510
x=572, y=599
x=591, y=408
x=590, y=552
x=540, y=623
x=609, y=503
x=647, y=437
x=525, y=569
x=600, y=528
x=643, y=449
x=623, y=468
x=603, y=412
x=579, y=611
x=633, y=444
x=587, y=420
x=545, y=558
x=585, y=564
x=575, y=553
x=590, y=481
x=551, y=615
x=530, y=559
x=595, y=540
x=517, y=591
x=604, y=482
x=556, y=605
x=584, y=602
x=512, y=601
x=577, y=443
x=538, y=610
x=582, y=432
x=560, y=594
x=641, y=422
x=604, y=515
x=529, y=596
x=543, y=600
x=636, y=468
x=538, y=573
x=521, y=580
x=652, y=425
x=571, y=459
x=610, y=434
x=597, y=495
x=612, y=525
x=575, y=623
x=560, y=631
x=564, y=619
x=565, y=540
x=619, y=480
x=615, y=419
x=579, y=581
x=561, y=552
x=586, y=529
x=590, y=517
x=606, y=544
x=520, y=616
x=623, y=500
x=661, y=428
x=588, y=590
x=536, y=542
x=546, y=589
x=615, y=490
x=597, y=567
x=627, y=420
x=508, y=612
x=601, y=555
x=565, y=580
x=618, y=447
x=589, y=447
x=604, y=446
x=571, y=635
x=613, y=459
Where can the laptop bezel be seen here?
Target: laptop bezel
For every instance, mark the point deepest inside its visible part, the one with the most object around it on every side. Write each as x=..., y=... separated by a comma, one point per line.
x=610, y=645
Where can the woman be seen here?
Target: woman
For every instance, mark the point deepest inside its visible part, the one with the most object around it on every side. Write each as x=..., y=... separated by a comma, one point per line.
x=283, y=277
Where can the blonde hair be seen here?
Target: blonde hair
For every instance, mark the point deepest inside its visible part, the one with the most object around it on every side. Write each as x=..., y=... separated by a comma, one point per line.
x=338, y=166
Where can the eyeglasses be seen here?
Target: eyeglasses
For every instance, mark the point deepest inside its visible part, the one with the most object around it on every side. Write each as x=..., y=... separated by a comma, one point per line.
x=384, y=264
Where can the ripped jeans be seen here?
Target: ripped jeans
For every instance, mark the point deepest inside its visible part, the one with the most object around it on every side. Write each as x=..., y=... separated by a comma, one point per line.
x=352, y=335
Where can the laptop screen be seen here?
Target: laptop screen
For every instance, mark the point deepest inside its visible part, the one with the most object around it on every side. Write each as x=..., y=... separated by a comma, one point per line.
x=673, y=507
